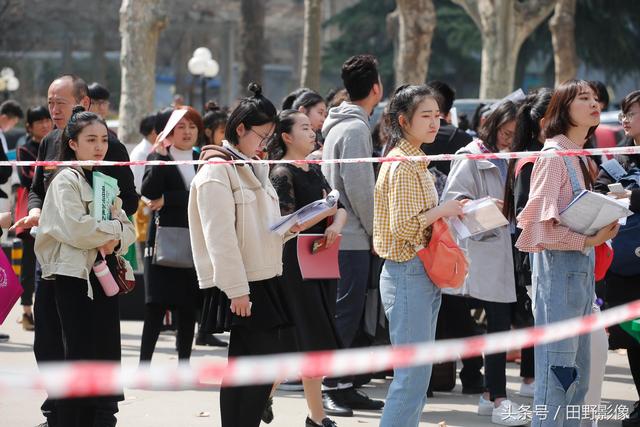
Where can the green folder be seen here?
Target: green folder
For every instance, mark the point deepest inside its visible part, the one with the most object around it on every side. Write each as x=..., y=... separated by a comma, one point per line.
x=632, y=327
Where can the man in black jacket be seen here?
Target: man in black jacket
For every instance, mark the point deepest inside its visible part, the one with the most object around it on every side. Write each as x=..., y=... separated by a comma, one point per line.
x=64, y=93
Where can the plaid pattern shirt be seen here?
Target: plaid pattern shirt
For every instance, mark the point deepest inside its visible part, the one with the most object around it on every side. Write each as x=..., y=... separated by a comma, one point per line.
x=400, y=205
x=550, y=193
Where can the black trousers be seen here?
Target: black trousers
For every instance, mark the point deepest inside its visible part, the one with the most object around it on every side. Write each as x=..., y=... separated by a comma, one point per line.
x=455, y=321
x=27, y=270
x=243, y=406
x=90, y=331
x=153, y=315
x=47, y=343
x=495, y=365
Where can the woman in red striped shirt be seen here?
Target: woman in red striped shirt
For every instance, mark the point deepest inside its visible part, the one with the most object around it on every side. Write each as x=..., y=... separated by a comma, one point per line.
x=563, y=260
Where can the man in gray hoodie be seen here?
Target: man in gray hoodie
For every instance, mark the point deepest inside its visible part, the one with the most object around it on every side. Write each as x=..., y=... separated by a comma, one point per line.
x=348, y=135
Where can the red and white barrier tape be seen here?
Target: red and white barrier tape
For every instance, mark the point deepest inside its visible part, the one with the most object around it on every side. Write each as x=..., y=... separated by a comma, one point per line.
x=93, y=379
x=430, y=158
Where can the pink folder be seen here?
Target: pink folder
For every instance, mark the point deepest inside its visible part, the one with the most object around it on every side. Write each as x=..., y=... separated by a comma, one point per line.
x=10, y=288
x=321, y=265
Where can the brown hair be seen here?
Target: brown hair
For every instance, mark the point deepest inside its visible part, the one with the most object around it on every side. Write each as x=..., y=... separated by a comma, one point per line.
x=629, y=100
x=194, y=117
x=557, y=120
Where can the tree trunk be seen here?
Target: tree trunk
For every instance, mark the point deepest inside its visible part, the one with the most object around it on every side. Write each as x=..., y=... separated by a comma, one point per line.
x=252, y=44
x=310, y=73
x=98, y=61
x=504, y=26
x=416, y=22
x=140, y=24
x=562, y=26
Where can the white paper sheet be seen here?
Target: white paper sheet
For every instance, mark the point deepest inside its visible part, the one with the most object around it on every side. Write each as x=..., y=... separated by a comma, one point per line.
x=589, y=212
x=480, y=216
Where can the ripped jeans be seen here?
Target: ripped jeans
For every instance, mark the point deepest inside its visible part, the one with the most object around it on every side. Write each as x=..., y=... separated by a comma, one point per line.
x=563, y=288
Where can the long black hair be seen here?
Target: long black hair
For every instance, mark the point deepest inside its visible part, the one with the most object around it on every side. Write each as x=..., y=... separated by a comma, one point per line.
x=526, y=138
x=404, y=102
x=277, y=147
x=214, y=116
x=252, y=111
x=79, y=120
x=502, y=115
x=307, y=100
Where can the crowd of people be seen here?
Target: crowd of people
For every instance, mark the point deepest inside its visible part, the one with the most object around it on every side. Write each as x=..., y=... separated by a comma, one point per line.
x=238, y=276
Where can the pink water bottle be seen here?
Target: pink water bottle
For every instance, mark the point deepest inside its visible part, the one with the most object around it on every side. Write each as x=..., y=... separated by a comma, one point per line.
x=102, y=272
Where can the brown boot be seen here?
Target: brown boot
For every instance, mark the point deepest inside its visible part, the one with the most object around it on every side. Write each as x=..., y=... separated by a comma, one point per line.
x=27, y=322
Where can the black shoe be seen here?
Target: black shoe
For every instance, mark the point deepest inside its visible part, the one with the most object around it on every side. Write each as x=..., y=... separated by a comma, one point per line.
x=267, y=413
x=333, y=406
x=210, y=340
x=634, y=417
x=4, y=337
x=326, y=422
x=356, y=399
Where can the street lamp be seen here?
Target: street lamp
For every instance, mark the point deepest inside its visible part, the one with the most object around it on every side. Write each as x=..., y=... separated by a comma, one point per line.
x=8, y=82
x=203, y=65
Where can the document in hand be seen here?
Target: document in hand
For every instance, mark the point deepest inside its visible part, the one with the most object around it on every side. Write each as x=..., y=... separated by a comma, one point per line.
x=590, y=211
x=105, y=190
x=479, y=216
x=306, y=213
x=321, y=264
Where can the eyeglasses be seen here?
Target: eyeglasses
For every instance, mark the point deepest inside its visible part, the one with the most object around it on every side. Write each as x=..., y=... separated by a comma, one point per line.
x=264, y=139
x=626, y=117
x=506, y=134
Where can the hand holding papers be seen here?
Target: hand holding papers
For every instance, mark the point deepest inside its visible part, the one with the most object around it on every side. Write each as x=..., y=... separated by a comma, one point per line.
x=589, y=212
x=306, y=213
x=480, y=216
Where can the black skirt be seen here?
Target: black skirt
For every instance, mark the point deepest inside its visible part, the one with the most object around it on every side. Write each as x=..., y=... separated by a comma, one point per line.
x=620, y=290
x=312, y=304
x=269, y=308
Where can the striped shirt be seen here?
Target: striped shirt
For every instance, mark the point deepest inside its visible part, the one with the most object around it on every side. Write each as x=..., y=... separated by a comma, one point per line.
x=550, y=193
x=400, y=205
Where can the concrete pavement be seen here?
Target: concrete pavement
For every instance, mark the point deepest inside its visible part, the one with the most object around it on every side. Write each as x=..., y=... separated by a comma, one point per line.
x=194, y=408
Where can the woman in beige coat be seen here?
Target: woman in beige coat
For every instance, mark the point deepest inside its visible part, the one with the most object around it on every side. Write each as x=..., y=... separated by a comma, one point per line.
x=67, y=245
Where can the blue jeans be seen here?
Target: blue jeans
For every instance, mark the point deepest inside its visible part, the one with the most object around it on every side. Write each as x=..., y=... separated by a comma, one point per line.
x=411, y=303
x=563, y=288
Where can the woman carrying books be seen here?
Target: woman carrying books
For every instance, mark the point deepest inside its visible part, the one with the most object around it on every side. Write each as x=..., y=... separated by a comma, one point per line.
x=312, y=302
x=491, y=280
x=563, y=260
x=406, y=204
x=67, y=245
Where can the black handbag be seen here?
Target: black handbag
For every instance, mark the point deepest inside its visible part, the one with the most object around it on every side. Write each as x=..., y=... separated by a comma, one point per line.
x=172, y=247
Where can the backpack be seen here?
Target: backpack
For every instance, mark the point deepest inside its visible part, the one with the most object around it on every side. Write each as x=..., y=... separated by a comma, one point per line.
x=626, y=244
x=444, y=262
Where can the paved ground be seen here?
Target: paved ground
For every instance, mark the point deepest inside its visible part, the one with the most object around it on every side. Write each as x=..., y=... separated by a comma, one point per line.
x=200, y=408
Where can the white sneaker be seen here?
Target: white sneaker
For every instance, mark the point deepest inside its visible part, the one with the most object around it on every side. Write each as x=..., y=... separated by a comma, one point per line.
x=526, y=390
x=485, y=407
x=508, y=414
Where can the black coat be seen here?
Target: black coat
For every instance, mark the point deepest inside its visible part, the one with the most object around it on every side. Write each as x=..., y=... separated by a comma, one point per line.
x=167, y=286
x=448, y=140
x=620, y=289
